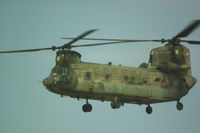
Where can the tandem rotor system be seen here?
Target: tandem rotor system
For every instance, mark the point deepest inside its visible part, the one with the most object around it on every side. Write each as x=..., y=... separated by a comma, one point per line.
x=174, y=41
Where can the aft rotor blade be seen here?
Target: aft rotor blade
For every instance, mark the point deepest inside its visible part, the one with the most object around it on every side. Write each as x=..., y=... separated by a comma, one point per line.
x=189, y=29
x=27, y=50
x=191, y=42
x=68, y=45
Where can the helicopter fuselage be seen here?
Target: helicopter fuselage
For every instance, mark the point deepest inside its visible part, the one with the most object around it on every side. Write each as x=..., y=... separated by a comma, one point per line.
x=107, y=82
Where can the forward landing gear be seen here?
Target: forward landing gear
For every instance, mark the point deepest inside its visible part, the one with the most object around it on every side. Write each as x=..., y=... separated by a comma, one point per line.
x=87, y=107
x=179, y=106
x=115, y=105
x=149, y=109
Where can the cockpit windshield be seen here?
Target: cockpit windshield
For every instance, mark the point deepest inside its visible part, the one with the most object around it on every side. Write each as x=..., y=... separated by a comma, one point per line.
x=59, y=71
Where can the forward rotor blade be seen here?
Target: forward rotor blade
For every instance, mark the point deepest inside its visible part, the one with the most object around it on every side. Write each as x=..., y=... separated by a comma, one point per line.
x=68, y=45
x=97, y=44
x=120, y=40
x=27, y=50
x=115, y=42
x=99, y=39
x=189, y=29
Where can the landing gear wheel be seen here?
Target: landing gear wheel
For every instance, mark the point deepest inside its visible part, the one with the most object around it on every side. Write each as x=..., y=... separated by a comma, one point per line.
x=115, y=105
x=149, y=109
x=87, y=107
x=179, y=106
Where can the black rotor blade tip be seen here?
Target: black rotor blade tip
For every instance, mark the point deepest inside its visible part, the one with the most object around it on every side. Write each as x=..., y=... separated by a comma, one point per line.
x=189, y=29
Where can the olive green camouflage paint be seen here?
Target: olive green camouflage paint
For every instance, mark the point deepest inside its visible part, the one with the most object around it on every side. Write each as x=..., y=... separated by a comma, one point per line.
x=167, y=77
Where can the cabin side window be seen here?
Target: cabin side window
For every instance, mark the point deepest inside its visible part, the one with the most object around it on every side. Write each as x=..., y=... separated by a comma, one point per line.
x=162, y=82
x=87, y=76
x=145, y=80
x=107, y=77
x=126, y=79
x=132, y=80
x=157, y=79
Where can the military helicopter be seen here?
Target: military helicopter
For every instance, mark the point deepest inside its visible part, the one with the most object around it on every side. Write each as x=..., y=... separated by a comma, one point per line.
x=166, y=77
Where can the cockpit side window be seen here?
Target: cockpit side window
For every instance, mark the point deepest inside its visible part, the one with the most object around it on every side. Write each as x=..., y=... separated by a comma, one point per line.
x=150, y=59
x=63, y=71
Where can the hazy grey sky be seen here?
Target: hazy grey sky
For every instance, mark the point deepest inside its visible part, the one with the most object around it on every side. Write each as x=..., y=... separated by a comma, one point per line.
x=27, y=107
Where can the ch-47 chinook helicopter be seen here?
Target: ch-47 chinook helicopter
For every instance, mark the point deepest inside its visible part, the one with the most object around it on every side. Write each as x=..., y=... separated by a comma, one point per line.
x=166, y=77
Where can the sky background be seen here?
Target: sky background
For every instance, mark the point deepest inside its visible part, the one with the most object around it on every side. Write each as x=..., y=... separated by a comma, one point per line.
x=27, y=107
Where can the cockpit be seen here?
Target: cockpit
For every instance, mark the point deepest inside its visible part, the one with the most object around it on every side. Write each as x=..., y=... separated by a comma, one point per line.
x=62, y=76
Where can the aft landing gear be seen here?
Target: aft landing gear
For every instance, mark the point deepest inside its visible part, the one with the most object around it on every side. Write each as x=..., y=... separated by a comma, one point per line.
x=87, y=107
x=179, y=106
x=149, y=109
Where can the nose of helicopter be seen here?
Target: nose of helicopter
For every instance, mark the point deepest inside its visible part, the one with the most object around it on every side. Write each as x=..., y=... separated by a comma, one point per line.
x=48, y=82
x=59, y=84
